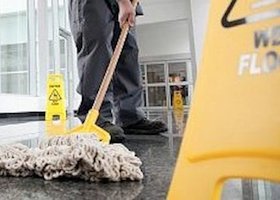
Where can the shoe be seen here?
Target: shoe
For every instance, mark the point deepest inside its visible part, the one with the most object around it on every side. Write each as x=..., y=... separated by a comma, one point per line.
x=145, y=127
x=116, y=132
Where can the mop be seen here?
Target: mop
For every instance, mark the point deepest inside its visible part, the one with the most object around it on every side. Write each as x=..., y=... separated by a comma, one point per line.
x=87, y=156
x=76, y=156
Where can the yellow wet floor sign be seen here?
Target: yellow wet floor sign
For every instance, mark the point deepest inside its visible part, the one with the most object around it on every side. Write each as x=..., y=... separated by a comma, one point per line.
x=234, y=125
x=177, y=100
x=55, y=98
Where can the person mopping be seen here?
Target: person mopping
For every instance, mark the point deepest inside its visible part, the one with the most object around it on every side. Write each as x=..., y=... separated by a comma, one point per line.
x=96, y=26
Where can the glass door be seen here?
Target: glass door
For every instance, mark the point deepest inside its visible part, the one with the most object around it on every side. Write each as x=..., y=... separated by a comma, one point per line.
x=178, y=80
x=162, y=79
x=60, y=45
x=34, y=41
x=18, y=58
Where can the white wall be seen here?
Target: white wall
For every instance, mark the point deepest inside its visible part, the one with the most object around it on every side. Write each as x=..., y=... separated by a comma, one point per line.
x=163, y=10
x=20, y=103
x=166, y=38
x=200, y=10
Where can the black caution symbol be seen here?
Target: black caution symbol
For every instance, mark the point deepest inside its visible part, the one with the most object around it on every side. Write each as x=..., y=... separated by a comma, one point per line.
x=55, y=96
x=178, y=101
x=257, y=17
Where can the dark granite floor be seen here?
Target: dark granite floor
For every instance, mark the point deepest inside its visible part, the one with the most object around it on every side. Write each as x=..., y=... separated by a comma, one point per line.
x=158, y=154
x=158, y=165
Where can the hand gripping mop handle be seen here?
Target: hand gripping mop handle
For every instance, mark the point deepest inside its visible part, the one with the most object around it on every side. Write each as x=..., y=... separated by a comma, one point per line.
x=112, y=65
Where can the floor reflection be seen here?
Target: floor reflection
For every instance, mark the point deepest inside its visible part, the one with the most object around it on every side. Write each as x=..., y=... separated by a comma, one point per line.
x=35, y=188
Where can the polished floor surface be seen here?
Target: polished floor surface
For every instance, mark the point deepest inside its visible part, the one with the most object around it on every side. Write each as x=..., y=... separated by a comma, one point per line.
x=158, y=154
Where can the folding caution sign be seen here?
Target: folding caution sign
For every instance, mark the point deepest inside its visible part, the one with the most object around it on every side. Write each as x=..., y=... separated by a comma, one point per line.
x=55, y=98
x=177, y=100
x=234, y=126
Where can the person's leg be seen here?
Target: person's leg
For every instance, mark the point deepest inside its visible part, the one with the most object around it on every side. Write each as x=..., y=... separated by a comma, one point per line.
x=92, y=26
x=127, y=89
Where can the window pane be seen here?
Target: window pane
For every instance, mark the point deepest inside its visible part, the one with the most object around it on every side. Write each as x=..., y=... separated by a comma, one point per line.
x=177, y=72
x=155, y=73
x=13, y=47
x=15, y=83
x=13, y=57
x=157, y=96
x=61, y=11
x=63, y=54
x=143, y=74
x=51, y=55
x=189, y=67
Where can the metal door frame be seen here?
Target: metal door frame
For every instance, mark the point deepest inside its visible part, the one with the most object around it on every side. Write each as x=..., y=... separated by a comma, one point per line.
x=57, y=32
x=166, y=83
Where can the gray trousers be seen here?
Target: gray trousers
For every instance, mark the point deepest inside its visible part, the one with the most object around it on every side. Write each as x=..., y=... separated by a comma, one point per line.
x=96, y=31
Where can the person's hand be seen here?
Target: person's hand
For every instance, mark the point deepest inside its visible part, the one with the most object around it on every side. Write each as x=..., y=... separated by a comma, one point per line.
x=126, y=12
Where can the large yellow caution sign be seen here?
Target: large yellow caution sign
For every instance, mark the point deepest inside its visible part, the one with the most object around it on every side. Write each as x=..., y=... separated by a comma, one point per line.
x=55, y=98
x=234, y=125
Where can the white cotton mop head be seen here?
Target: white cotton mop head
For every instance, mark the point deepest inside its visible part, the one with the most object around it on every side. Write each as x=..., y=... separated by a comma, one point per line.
x=74, y=156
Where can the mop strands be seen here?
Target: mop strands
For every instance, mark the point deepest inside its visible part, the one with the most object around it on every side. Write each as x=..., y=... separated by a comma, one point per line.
x=73, y=156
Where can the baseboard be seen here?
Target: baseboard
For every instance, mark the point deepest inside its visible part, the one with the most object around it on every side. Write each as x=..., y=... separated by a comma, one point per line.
x=23, y=114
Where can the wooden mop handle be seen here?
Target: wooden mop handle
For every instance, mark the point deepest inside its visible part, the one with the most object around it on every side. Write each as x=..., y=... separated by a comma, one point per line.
x=112, y=65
